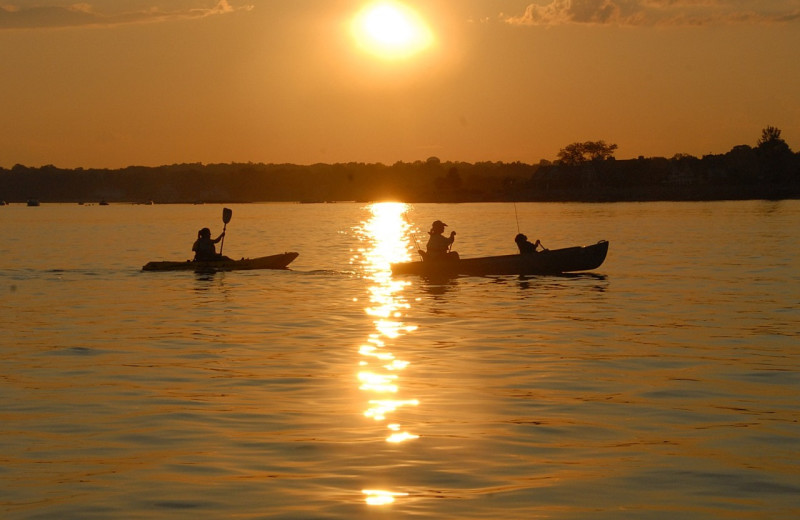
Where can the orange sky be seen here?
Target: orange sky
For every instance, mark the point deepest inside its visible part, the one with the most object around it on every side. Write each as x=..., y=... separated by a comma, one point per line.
x=112, y=83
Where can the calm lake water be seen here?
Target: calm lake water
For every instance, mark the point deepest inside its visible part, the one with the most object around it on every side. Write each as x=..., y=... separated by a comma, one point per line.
x=664, y=385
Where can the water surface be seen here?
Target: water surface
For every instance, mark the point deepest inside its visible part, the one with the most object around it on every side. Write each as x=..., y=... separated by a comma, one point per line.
x=662, y=385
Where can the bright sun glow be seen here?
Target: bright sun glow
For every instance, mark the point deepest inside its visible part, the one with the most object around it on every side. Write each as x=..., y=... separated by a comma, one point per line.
x=391, y=30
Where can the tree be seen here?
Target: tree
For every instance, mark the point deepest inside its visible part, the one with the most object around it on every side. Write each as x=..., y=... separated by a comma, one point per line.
x=769, y=134
x=776, y=156
x=452, y=181
x=771, y=141
x=578, y=153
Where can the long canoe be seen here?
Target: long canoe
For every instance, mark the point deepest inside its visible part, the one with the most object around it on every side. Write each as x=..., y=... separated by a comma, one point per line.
x=280, y=261
x=551, y=261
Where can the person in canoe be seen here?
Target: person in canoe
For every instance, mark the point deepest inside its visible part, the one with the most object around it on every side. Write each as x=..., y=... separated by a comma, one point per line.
x=204, y=250
x=525, y=246
x=438, y=246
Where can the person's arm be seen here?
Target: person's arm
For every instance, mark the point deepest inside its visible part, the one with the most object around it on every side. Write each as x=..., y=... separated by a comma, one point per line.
x=452, y=238
x=219, y=237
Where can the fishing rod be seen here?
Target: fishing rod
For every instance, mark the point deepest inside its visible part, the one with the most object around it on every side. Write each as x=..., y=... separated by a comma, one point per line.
x=416, y=243
x=413, y=235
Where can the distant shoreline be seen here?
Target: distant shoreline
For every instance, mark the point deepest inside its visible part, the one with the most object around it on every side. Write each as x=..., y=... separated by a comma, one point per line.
x=744, y=173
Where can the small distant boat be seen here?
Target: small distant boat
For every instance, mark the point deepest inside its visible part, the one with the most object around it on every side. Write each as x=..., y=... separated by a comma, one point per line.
x=280, y=261
x=103, y=203
x=555, y=261
x=33, y=202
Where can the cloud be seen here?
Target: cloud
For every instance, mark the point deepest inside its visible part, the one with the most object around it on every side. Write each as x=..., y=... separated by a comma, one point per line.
x=46, y=15
x=657, y=12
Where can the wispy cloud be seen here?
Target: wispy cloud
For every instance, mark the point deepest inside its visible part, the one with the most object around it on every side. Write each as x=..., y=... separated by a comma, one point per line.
x=657, y=12
x=52, y=15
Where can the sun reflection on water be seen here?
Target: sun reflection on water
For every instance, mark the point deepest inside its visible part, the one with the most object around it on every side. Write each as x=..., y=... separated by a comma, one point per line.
x=379, y=497
x=385, y=236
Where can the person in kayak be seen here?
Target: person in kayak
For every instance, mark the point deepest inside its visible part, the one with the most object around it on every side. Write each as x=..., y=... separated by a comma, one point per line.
x=204, y=250
x=525, y=247
x=438, y=246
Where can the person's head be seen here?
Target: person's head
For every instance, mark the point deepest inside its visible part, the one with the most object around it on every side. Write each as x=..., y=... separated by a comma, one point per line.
x=520, y=238
x=438, y=226
x=204, y=233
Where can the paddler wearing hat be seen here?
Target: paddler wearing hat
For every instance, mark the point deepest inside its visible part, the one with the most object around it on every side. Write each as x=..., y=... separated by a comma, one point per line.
x=438, y=245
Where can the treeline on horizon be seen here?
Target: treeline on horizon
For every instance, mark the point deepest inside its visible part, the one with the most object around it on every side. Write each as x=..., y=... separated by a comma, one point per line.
x=584, y=172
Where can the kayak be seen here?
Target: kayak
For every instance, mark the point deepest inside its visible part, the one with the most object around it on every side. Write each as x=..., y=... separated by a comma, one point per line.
x=549, y=261
x=265, y=262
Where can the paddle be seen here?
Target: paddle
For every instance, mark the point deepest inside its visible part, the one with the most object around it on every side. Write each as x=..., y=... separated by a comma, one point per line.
x=226, y=217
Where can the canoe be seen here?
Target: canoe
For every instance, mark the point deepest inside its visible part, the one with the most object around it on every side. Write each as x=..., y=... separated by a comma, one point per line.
x=551, y=261
x=265, y=262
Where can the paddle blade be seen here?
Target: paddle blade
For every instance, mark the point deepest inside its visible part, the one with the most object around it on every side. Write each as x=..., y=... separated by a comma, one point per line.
x=226, y=215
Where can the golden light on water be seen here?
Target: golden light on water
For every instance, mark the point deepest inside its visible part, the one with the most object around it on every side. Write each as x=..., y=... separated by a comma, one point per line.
x=386, y=235
x=401, y=437
x=377, y=382
x=388, y=232
x=379, y=497
x=380, y=407
x=369, y=350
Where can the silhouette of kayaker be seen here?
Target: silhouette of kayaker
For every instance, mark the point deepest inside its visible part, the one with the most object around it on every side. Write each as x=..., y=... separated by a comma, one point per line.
x=438, y=246
x=525, y=246
x=204, y=250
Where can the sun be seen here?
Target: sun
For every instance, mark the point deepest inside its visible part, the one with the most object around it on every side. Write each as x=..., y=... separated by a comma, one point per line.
x=391, y=30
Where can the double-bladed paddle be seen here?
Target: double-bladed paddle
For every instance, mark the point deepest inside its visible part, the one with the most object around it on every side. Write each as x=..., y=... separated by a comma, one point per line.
x=226, y=217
